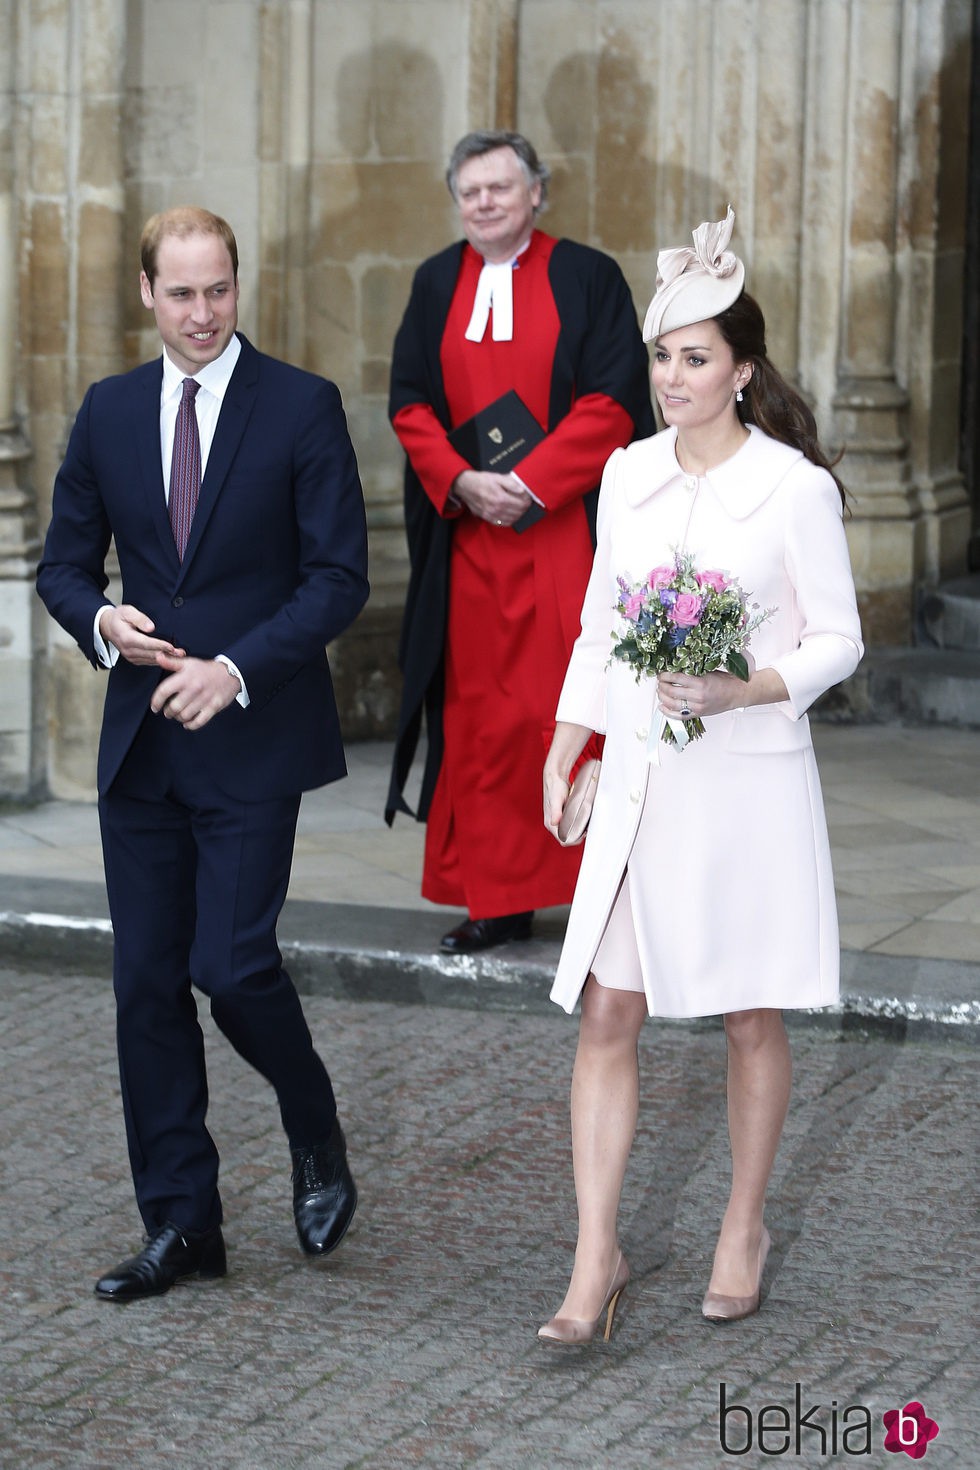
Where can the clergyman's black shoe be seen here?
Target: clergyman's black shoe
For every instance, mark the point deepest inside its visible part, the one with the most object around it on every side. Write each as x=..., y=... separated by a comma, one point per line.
x=476, y=934
x=167, y=1255
x=324, y=1194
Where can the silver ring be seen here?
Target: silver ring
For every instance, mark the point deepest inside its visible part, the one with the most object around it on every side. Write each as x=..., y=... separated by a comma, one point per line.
x=498, y=523
x=686, y=710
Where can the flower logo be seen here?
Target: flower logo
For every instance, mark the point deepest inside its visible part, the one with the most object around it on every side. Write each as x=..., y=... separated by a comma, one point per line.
x=909, y=1429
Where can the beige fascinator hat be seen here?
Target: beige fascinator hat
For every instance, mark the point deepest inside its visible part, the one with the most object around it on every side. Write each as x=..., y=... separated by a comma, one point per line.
x=695, y=285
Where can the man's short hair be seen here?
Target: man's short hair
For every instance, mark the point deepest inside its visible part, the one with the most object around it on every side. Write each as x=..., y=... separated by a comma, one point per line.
x=475, y=144
x=183, y=220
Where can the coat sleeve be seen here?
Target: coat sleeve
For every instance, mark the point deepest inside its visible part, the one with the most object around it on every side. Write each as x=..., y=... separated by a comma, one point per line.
x=566, y=465
x=819, y=569
x=331, y=583
x=71, y=576
x=417, y=404
x=583, y=697
x=435, y=462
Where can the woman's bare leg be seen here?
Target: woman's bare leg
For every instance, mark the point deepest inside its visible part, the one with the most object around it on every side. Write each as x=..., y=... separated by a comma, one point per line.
x=605, y=1097
x=759, y=1080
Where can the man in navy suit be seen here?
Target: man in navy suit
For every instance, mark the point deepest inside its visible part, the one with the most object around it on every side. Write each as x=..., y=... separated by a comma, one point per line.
x=229, y=484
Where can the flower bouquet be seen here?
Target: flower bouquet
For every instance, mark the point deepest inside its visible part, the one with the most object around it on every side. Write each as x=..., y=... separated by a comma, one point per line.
x=679, y=619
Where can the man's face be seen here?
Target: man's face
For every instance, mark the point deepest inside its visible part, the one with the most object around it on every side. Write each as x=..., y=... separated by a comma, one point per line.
x=194, y=299
x=496, y=203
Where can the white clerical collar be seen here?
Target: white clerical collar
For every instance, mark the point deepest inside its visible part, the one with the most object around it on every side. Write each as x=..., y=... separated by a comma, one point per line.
x=495, y=288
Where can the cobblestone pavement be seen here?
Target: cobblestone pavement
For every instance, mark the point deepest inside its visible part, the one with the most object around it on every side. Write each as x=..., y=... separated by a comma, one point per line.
x=414, y=1345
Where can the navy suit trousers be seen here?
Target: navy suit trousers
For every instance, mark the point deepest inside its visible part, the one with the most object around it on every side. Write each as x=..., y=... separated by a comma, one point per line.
x=196, y=881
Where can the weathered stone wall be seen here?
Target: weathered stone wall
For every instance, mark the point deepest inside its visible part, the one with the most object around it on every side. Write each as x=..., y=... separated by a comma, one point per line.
x=320, y=128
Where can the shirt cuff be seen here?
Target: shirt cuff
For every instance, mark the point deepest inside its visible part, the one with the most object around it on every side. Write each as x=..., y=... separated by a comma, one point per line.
x=528, y=491
x=106, y=653
x=242, y=696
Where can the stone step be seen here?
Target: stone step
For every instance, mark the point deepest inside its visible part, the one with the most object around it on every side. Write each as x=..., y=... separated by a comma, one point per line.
x=914, y=686
x=950, y=614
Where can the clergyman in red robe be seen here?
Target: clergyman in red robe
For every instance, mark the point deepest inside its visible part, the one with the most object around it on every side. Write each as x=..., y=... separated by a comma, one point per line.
x=500, y=561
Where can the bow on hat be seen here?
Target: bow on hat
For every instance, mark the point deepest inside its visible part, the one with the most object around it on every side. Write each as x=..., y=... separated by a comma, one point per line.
x=695, y=284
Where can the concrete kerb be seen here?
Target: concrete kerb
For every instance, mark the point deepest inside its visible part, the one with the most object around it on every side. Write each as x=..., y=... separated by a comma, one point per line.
x=376, y=955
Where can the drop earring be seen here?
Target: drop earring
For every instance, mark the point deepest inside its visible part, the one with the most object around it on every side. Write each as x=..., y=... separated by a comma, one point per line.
x=738, y=396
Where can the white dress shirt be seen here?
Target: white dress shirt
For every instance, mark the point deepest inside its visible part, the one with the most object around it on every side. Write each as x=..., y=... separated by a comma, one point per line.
x=213, y=380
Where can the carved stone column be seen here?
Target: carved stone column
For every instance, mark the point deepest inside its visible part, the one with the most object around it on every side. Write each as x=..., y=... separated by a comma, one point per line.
x=20, y=753
x=870, y=407
x=932, y=239
x=492, y=64
x=285, y=157
x=70, y=63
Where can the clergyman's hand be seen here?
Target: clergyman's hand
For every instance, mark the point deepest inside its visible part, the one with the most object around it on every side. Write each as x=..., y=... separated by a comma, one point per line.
x=499, y=499
x=130, y=631
x=194, y=691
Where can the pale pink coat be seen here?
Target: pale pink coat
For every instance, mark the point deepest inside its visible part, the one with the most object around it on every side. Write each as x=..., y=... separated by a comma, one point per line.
x=724, y=844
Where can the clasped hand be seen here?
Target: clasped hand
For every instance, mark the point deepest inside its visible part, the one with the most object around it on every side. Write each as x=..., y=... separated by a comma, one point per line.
x=131, y=633
x=499, y=499
x=195, y=689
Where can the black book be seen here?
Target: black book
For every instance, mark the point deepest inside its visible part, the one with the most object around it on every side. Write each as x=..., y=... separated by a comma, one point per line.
x=499, y=437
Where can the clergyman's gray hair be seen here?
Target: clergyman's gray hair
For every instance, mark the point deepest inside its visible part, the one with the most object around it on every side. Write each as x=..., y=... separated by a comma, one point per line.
x=475, y=144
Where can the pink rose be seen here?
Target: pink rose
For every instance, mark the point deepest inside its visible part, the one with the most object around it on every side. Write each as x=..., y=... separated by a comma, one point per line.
x=661, y=577
x=633, y=606
x=717, y=581
x=686, y=612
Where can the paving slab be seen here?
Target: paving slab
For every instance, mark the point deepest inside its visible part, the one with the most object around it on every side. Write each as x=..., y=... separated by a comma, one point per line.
x=415, y=1344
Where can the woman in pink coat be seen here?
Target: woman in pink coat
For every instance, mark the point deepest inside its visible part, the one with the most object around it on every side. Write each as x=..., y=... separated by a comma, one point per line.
x=706, y=886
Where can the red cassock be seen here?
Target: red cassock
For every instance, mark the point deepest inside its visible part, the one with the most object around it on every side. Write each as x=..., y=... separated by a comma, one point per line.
x=514, y=604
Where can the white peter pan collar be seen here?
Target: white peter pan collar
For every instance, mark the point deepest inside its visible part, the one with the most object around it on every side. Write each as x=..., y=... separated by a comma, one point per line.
x=741, y=483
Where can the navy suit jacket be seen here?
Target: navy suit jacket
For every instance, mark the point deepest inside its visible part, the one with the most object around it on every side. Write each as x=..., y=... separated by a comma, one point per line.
x=276, y=564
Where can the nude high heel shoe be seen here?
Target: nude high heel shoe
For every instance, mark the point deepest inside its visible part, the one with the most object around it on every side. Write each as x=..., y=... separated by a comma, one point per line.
x=717, y=1307
x=576, y=1331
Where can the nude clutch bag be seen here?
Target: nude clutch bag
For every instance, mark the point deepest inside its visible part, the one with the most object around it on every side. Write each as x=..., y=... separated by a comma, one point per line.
x=578, y=807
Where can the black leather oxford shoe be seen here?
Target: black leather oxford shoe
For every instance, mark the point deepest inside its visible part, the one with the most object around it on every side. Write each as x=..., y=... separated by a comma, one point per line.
x=165, y=1258
x=476, y=934
x=324, y=1194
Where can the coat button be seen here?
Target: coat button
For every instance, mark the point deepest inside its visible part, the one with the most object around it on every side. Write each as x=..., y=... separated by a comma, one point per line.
x=642, y=733
x=635, y=794
x=177, y=602
x=691, y=483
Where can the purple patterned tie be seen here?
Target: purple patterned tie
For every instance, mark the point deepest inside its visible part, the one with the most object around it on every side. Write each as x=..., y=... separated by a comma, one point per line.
x=185, y=467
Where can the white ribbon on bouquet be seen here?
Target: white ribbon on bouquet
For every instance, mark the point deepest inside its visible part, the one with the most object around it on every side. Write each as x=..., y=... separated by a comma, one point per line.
x=656, y=740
